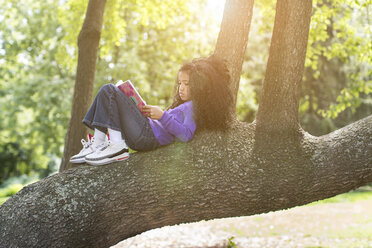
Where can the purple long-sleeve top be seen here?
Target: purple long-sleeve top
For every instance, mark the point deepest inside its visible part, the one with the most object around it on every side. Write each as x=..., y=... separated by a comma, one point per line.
x=175, y=123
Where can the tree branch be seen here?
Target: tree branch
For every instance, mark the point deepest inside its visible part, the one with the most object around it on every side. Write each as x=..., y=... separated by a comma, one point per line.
x=278, y=109
x=214, y=176
x=233, y=38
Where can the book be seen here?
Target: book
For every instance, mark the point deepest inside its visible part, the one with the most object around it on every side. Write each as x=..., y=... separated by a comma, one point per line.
x=128, y=89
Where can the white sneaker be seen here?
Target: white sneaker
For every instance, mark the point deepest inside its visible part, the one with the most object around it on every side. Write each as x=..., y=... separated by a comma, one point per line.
x=89, y=147
x=109, y=153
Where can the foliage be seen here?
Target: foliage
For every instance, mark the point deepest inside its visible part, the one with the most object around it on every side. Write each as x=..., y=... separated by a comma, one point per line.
x=340, y=32
x=14, y=161
x=146, y=41
x=360, y=194
x=14, y=184
x=336, y=87
x=34, y=88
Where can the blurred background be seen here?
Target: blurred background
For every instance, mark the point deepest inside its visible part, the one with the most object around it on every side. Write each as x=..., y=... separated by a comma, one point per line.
x=147, y=41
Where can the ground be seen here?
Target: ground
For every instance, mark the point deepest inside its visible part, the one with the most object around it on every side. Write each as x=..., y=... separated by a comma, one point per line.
x=344, y=221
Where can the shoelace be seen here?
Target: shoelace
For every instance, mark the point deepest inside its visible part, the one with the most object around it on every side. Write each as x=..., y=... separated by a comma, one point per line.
x=85, y=144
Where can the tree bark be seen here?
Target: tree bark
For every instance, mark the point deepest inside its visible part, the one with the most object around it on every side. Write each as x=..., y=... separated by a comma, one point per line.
x=233, y=38
x=88, y=43
x=100, y=206
x=279, y=101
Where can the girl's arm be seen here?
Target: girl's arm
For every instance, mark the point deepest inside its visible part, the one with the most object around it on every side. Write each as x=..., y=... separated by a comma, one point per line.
x=184, y=131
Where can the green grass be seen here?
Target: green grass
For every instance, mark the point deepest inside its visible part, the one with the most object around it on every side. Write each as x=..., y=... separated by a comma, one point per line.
x=7, y=192
x=10, y=190
x=14, y=184
x=363, y=193
x=3, y=199
x=231, y=243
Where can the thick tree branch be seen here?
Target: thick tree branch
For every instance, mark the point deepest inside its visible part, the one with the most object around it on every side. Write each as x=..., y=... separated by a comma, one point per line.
x=213, y=176
x=345, y=154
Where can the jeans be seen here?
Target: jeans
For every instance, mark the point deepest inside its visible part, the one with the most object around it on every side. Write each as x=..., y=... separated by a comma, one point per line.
x=113, y=109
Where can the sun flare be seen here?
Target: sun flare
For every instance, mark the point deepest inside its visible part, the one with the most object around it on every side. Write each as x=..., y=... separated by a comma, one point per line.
x=216, y=8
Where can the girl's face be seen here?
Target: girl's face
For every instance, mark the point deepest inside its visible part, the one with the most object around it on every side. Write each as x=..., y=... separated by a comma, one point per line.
x=183, y=86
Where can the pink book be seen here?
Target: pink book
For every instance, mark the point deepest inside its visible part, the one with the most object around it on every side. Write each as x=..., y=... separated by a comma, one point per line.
x=128, y=89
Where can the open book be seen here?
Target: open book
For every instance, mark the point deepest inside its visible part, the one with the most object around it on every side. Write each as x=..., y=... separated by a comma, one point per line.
x=128, y=89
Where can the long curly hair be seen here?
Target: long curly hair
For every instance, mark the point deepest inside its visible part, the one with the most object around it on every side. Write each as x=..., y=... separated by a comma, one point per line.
x=212, y=100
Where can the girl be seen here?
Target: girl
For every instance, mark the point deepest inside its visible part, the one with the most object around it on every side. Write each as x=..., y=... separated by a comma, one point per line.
x=202, y=100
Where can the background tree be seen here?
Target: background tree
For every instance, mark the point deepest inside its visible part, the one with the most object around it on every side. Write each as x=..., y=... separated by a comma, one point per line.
x=234, y=173
x=88, y=42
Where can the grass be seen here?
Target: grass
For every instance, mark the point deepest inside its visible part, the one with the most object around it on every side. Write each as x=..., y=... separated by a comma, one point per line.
x=363, y=193
x=3, y=199
x=14, y=184
x=340, y=221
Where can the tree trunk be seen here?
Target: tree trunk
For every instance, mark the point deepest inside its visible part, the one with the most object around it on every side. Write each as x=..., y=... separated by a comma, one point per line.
x=279, y=101
x=277, y=126
x=216, y=175
x=233, y=38
x=88, y=42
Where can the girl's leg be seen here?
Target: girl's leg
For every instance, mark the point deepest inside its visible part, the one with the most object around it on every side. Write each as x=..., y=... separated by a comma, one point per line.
x=115, y=136
x=114, y=110
x=135, y=126
x=98, y=115
x=99, y=136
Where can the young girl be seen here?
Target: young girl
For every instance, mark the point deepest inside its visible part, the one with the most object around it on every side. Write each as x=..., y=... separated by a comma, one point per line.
x=202, y=100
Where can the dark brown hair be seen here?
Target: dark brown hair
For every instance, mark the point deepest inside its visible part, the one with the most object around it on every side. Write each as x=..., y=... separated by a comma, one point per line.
x=209, y=82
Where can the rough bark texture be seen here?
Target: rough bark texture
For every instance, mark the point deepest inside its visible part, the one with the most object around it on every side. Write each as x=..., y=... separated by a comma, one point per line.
x=278, y=109
x=88, y=42
x=233, y=38
x=216, y=175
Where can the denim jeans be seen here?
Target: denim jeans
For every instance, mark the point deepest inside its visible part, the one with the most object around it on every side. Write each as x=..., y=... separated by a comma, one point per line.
x=113, y=109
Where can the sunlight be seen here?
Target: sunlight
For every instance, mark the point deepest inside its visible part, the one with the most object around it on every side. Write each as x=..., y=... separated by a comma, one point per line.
x=216, y=8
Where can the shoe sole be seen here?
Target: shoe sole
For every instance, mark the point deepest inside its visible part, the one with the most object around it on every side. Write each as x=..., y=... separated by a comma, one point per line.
x=98, y=157
x=77, y=161
x=104, y=161
x=80, y=159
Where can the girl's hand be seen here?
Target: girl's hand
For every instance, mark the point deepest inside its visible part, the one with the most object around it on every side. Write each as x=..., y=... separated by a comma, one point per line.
x=154, y=112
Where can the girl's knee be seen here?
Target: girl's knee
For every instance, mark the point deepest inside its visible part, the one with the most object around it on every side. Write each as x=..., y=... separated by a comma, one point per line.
x=107, y=87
